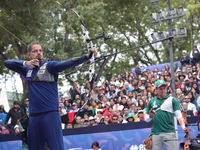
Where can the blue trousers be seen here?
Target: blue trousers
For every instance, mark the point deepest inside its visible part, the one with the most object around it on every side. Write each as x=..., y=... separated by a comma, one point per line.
x=45, y=128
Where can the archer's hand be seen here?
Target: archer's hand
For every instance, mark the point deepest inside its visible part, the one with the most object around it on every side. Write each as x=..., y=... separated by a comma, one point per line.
x=32, y=63
x=152, y=113
x=90, y=52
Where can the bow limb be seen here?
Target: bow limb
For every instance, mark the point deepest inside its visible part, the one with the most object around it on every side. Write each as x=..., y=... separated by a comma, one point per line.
x=187, y=133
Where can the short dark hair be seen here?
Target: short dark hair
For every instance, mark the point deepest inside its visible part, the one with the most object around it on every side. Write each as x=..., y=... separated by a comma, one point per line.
x=30, y=46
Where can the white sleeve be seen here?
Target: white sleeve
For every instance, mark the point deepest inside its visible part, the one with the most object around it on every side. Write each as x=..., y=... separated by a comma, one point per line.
x=180, y=118
x=147, y=118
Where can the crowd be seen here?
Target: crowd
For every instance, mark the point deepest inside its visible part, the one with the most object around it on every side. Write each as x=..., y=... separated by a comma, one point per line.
x=123, y=98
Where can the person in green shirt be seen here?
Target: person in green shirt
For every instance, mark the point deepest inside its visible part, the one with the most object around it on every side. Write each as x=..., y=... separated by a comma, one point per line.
x=161, y=110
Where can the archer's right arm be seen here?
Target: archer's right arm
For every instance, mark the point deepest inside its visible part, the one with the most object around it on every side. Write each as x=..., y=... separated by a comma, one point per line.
x=16, y=66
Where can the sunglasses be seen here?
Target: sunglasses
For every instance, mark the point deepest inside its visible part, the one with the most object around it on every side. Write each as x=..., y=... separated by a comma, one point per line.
x=115, y=119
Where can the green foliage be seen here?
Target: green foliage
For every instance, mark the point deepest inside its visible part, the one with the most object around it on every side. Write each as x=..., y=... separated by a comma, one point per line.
x=127, y=22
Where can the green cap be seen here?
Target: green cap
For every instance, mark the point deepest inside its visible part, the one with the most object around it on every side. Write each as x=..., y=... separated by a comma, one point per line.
x=26, y=99
x=74, y=104
x=129, y=116
x=160, y=83
x=145, y=70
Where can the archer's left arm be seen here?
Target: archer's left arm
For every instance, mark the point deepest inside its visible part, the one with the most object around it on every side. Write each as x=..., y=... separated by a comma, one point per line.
x=178, y=114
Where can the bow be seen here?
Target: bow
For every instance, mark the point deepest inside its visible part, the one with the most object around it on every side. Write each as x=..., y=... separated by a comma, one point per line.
x=91, y=66
x=89, y=47
x=187, y=133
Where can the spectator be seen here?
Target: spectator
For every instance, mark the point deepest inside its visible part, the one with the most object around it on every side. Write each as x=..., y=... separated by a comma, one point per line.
x=191, y=106
x=25, y=107
x=105, y=102
x=195, y=56
x=14, y=113
x=92, y=121
x=138, y=70
x=99, y=117
x=74, y=90
x=74, y=107
x=180, y=96
x=181, y=78
x=4, y=130
x=69, y=125
x=95, y=146
x=107, y=120
x=78, y=123
x=126, y=87
x=121, y=119
x=67, y=106
x=136, y=88
x=86, y=122
x=130, y=118
x=185, y=59
x=141, y=116
x=2, y=110
x=184, y=106
x=114, y=119
x=62, y=110
x=125, y=112
x=142, y=104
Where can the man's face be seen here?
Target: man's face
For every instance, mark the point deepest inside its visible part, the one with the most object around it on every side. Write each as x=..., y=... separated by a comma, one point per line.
x=162, y=91
x=115, y=120
x=36, y=52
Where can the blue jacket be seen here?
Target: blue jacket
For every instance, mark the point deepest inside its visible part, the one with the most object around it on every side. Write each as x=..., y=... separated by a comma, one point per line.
x=43, y=96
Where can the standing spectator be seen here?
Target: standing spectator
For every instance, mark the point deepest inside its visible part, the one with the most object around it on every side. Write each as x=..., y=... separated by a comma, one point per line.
x=138, y=70
x=43, y=95
x=74, y=107
x=74, y=90
x=2, y=110
x=161, y=110
x=185, y=59
x=14, y=113
x=195, y=56
x=25, y=107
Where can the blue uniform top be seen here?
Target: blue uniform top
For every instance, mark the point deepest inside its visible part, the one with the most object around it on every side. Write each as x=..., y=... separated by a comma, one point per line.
x=43, y=96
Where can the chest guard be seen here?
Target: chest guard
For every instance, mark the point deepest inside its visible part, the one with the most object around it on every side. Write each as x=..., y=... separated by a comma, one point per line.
x=43, y=75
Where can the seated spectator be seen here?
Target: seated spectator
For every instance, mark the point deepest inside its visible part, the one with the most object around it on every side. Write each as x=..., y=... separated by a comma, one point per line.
x=4, y=130
x=105, y=102
x=192, y=98
x=142, y=104
x=133, y=109
x=69, y=125
x=121, y=119
x=180, y=96
x=130, y=118
x=74, y=107
x=94, y=105
x=67, y=105
x=114, y=119
x=185, y=109
x=124, y=102
x=107, y=120
x=127, y=87
x=125, y=112
x=62, y=110
x=141, y=116
x=92, y=121
x=190, y=105
x=78, y=123
x=86, y=123
x=181, y=78
x=136, y=88
x=99, y=117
